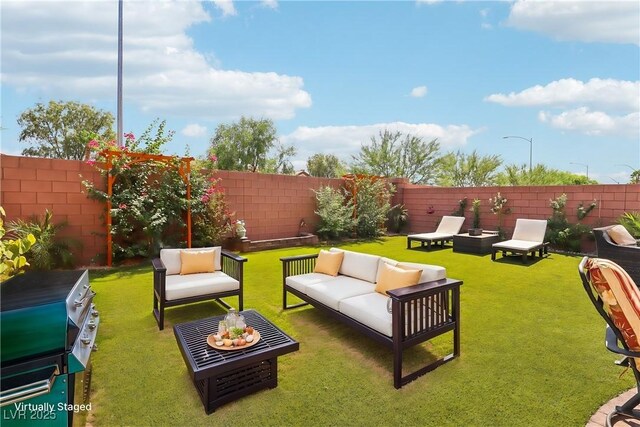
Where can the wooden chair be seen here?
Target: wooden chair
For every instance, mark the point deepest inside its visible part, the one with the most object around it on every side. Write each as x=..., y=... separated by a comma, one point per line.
x=170, y=288
x=627, y=257
x=617, y=299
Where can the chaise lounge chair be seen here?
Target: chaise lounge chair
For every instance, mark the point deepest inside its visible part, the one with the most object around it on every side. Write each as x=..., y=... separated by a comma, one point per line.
x=617, y=300
x=449, y=225
x=528, y=237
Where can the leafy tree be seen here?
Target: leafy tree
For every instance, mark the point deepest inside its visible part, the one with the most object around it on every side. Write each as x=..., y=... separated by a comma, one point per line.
x=281, y=162
x=244, y=145
x=395, y=155
x=635, y=177
x=540, y=175
x=62, y=129
x=371, y=205
x=325, y=166
x=468, y=170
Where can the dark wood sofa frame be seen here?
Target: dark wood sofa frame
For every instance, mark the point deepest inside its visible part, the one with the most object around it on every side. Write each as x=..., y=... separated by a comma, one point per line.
x=627, y=257
x=439, y=299
x=232, y=265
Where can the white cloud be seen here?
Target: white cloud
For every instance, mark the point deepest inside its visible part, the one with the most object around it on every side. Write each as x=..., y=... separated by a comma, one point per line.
x=344, y=141
x=226, y=6
x=272, y=4
x=594, y=122
x=194, y=130
x=598, y=93
x=587, y=21
x=419, y=92
x=419, y=2
x=68, y=50
x=486, y=26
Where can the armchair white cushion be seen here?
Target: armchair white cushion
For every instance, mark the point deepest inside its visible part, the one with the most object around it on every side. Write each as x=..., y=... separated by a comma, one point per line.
x=192, y=285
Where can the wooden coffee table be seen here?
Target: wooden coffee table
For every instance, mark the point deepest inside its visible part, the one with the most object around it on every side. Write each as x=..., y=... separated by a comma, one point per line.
x=224, y=376
x=480, y=245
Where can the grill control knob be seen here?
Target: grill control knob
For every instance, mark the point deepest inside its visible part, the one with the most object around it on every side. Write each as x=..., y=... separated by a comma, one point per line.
x=85, y=340
x=95, y=313
x=91, y=325
x=95, y=347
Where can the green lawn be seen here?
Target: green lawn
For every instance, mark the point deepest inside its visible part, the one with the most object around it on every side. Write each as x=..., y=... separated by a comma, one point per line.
x=532, y=353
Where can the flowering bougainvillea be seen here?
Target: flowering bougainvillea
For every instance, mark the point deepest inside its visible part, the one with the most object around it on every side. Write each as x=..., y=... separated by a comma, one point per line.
x=148, y=201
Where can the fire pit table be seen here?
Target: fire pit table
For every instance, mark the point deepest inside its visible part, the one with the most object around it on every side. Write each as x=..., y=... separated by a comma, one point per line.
x=222, y=376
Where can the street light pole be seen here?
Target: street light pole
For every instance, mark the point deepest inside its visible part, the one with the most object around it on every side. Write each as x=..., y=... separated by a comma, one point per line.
x=581, y=164
x=119, y=107
x=530, y=141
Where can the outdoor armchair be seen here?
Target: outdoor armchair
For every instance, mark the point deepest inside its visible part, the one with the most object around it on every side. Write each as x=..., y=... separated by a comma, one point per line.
x=617, y=299
x=528, y=237
x=626, y=256
x=174, y=285
x=448, y=227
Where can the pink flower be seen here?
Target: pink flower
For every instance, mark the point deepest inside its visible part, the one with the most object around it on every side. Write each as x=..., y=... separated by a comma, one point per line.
x=111, y=143
x=93, y=143
x=90, y=162
x=122, y=206
x=129, y=136
x=213, y=158
x=204, y=199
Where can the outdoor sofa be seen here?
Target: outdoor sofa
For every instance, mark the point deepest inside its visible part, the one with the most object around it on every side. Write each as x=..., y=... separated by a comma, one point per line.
x=174, y=284
x=400, y=318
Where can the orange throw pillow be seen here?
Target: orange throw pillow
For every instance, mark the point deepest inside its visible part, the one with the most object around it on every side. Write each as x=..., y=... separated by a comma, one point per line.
x=328, y=262
x=393, y=277
x=192, y=262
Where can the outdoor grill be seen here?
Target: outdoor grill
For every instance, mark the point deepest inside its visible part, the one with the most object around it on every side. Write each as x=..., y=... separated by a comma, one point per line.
x=48, y=328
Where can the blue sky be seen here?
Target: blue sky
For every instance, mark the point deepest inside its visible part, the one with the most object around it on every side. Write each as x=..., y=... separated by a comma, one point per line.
x=333, y=74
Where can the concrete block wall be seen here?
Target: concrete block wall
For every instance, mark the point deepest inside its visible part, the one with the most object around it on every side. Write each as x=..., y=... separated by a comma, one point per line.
x=273, y=205
x=29, y=186
x=426, y=205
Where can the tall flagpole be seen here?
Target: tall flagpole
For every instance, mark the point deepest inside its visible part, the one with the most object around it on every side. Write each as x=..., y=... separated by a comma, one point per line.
x=119, y=73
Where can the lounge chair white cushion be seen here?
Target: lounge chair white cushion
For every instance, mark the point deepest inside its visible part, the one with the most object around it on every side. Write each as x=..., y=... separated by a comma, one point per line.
x=359, y=266
x=531, y=230
x=331, y=292
x=171, y=258
x=431, y=236
x=192, y=285
x=450, y=224
x=301, y=281
x=517, y=245
x=369, y=309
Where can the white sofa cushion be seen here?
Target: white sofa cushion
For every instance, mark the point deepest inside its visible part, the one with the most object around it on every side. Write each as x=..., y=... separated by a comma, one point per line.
x=301, y=281
x=360, y=266
x=192, y=285
x=171, y=258
x=331, y=292
x=369, y=309
x=429, y=272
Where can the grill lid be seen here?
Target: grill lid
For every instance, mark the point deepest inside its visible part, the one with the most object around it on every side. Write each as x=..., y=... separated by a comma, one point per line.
x=38, y=314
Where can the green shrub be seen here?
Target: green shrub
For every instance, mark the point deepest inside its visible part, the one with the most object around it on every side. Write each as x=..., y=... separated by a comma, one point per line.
x=371, y=206
x=631, y=221
x=48, y=252
x=562, y=234
x=335, y=212
x=213, y=224
x=397, y=218
x=462, y=207
x=12, y=251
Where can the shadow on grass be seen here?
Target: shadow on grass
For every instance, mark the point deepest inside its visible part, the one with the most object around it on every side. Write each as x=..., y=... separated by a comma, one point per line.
x=517, y=260
x=362, y=349
x=120, y=272
x=426, y=249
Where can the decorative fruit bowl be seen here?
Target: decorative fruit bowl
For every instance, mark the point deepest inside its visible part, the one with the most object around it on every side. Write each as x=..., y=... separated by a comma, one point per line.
x=234, y=339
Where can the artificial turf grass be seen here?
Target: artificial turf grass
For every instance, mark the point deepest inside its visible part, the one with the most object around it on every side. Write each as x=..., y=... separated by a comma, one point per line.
x=531, y=353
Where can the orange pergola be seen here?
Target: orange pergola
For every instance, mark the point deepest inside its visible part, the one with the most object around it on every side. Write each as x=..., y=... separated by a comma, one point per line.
x=184, y=169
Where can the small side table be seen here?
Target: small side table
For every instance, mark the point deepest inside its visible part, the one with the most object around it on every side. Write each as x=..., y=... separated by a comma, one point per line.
x=223, y=376
x=480, y=245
